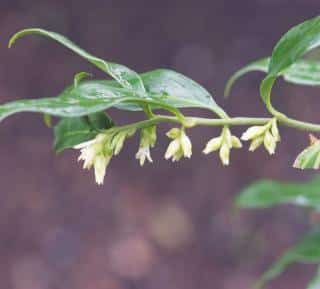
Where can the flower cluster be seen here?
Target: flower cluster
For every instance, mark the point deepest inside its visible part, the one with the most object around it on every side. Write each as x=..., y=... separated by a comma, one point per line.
x=98, y=152
x=224, y=143
x=267, y=134
x=180, y=146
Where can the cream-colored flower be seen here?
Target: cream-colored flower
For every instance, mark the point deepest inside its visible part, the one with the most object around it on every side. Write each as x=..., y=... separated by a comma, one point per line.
x=180, y=146
x=267, y=134
x=224, y=143
x=95, y=153
x=143, y=154
x=148, y=138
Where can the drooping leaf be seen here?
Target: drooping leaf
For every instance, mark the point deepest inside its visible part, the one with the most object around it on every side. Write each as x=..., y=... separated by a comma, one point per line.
x=306, y=251
x=315, y=282
x=119, y=72
x=304, y=72
x=267, y=193
x=72, y=131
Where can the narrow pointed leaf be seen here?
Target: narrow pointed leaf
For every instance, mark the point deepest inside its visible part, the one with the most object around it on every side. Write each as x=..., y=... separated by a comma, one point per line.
x=267, y=193
x=124, y=75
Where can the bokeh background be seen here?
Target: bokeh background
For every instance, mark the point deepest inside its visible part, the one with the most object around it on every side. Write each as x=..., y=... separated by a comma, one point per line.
x=164, y=225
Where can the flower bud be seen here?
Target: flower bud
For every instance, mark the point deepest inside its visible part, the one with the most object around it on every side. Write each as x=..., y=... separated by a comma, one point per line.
x=148, y=137
x=173, y=133
x=213, y=145
x=186, y=145
x=275, y=130
x=224, y=154
x=253, y=132
x=235, y=142
x=256, y=143
x=269, y=142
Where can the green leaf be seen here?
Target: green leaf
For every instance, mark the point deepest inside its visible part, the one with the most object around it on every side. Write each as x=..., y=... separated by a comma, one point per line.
x=304, y=72
x=178, y=90
x=291, y=47
x=306, y=251
x=294, y=44
x=315, y=282
x=165, y=89
x=86, y=98
x=309, y=158
x=267, y=193
x=72, y=131
x=124, y=75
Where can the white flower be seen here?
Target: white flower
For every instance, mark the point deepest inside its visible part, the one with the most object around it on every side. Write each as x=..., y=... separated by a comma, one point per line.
x=224, y=143
x=148, y=138
x=95, y=153
x=267, y=134
x=180, y=146
x=143, y=154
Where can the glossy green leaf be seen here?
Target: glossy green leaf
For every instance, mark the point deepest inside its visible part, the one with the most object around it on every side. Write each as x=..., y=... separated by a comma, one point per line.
x=315, y=282
x=178, y=90
x=294, y=44
x=291, y=47
x=304, y=72
x=72, y=131
x=306, y=251
x=267, y=193
x=124, y=75
x=165, y=89
x=309, y=158
x=87, y=98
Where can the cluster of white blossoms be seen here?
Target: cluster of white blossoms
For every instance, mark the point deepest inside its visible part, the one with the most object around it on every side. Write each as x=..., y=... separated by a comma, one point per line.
x=180, y=146
x=98, y=152
x=224, y=143
x=267, y=134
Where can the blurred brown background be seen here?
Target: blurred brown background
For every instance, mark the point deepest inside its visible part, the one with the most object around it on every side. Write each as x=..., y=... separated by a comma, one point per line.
x=164, y=225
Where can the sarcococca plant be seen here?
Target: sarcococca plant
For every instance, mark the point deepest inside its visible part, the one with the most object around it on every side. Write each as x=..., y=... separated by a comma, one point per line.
x=83, y=123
